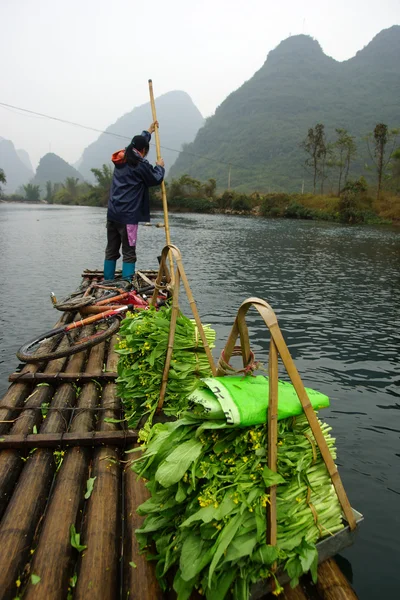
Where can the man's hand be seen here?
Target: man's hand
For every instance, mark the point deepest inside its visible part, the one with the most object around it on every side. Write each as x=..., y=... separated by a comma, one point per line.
x=160, y=162
x=153, y=126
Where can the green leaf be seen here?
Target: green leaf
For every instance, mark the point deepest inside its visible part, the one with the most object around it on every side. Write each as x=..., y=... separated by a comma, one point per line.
x=294, y=570
x=266, y=554
x=133, y=565
x=182, y=588
x=110, y=420
x=205, y=514
x=35, y=579
x=242, y=545
x=221, y=588
x=76, y=539
x=89, y=487
x=291, y=543
x=153, y=523
x=173, y=468
x=42, y=384
x=194, y=556
x=223, y=541
x=181, y=493
x=271, y=478
x=34, y=430
x=308, y=555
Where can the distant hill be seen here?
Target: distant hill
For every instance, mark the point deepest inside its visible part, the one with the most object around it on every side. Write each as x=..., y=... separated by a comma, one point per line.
x=24, y=156
x=15, y=169
x=259, y=127
x=179, y=120
x=53, y=168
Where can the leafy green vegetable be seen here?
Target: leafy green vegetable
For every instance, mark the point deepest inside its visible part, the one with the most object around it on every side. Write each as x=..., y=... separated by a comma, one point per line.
x=89, y=487
x=206, y=515
x=35, y=579
x=142, y=349
x=76, y=539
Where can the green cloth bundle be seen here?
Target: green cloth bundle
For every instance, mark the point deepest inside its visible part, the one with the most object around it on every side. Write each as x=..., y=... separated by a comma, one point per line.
x=243, y=401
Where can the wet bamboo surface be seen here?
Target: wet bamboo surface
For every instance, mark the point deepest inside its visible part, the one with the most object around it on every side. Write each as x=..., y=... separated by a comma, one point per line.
x=42, y=493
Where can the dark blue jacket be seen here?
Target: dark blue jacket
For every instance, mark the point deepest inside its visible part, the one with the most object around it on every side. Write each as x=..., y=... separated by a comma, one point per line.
x=129, y=196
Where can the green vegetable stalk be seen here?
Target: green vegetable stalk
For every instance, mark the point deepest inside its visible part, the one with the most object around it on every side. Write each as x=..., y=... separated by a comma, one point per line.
x=142, y=348
x=206, y=517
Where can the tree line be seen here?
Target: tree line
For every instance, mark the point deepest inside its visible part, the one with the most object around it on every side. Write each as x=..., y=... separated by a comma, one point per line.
x=337, y=156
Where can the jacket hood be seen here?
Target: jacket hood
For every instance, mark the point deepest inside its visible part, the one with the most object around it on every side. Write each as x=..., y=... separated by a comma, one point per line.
x=118, y=157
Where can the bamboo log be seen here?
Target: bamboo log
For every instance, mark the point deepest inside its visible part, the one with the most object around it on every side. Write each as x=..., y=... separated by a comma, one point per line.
x=52, y=557
x=99, y=566
x=55, y=440
x=11, y=462
x=332, y=584
x=289, y=593
x=163, y=188
x=60, y=377
x=17, y=393
x=26, y=506
x=140, y=583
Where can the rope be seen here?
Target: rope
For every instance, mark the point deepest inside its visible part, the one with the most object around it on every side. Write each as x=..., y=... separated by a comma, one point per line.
x=313, y=510
x=248, y=369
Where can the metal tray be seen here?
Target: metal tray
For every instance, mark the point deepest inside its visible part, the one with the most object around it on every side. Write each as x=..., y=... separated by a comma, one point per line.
x=327, y=548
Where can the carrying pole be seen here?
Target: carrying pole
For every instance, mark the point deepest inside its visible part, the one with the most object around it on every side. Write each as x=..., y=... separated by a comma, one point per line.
x=163, y=189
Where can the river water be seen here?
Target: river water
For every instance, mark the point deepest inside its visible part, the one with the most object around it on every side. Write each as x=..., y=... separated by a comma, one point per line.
x=335, y=290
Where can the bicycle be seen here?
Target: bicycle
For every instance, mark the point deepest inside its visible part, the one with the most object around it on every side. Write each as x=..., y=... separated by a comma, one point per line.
x=107, y=309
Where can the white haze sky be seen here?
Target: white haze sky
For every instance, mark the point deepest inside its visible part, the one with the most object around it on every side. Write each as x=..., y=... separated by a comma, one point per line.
x=88, y=61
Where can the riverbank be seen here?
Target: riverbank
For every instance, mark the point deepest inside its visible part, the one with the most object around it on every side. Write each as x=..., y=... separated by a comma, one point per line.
x=295, y=206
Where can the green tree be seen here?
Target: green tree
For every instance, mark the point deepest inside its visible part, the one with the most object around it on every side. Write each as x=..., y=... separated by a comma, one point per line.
x=383, y=141
x=344, y=150
x=70, y=192
x=395, y=171
x=2, y=179
x=210, y=188
x=32, y=192
x=99, y=194
x=315, y=146
x=50, y=192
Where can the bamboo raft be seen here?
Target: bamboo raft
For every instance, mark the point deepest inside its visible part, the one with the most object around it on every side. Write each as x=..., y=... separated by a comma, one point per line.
x=47, y=456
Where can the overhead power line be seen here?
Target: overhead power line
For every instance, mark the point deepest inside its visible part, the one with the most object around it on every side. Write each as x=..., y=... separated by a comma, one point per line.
x=118, y=135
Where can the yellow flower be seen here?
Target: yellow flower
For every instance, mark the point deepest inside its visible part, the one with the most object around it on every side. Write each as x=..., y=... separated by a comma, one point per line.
x=18, y=583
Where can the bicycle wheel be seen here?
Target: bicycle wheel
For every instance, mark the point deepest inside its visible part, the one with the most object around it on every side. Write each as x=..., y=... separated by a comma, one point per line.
x=72, y=304
x=64, y=344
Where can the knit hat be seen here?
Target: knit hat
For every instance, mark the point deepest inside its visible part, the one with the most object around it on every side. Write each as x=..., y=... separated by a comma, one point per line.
x=140, y=143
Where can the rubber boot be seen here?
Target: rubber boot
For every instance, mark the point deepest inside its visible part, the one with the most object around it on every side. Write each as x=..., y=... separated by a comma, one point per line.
x=128, y=270
x=109, y=269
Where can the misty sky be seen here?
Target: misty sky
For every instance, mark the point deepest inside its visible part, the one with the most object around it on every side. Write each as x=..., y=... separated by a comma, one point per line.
x=88, y=61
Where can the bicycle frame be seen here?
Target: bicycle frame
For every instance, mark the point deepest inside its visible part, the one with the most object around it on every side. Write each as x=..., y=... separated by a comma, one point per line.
x=113, y=303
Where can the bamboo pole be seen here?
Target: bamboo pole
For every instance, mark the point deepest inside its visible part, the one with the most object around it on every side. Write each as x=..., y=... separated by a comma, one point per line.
x=163, y=188
x=272, y=441
x=174, y=253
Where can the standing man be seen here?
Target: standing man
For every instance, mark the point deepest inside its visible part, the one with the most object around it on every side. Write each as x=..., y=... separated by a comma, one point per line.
x=129, y=202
